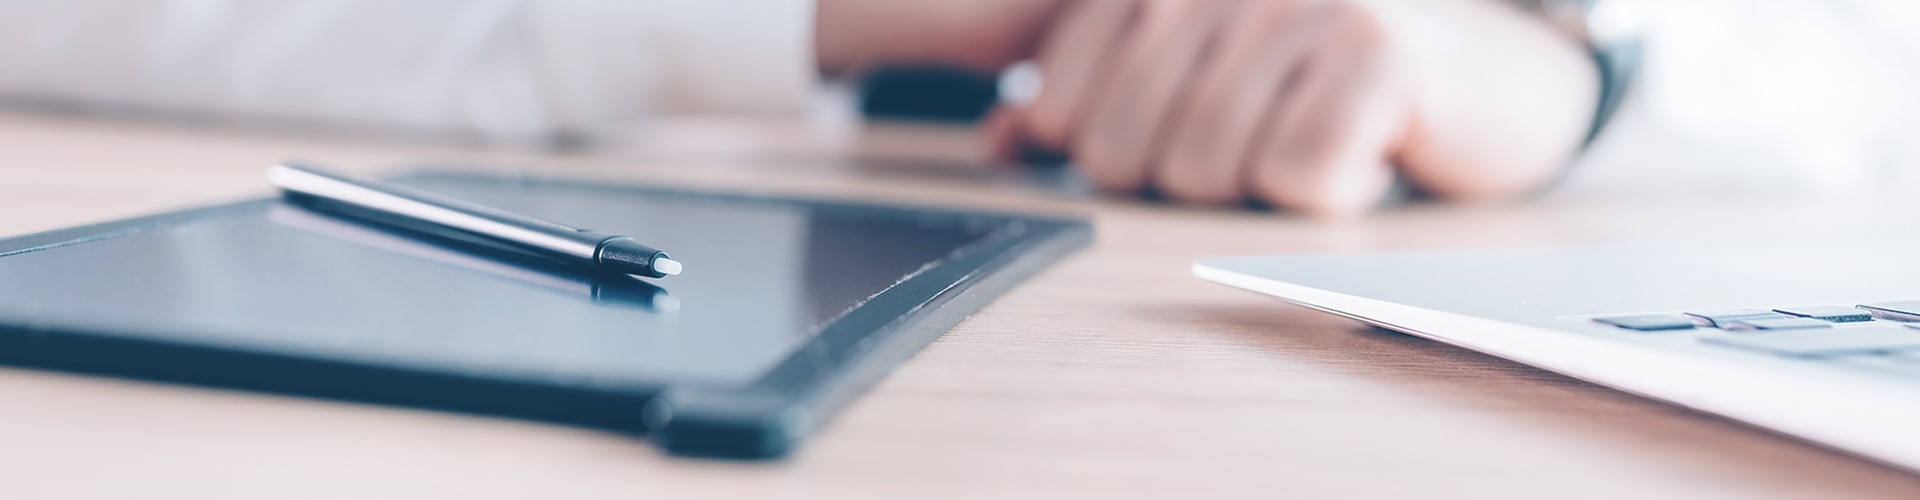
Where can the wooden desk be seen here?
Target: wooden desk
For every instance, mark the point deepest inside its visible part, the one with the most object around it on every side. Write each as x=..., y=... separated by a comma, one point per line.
x=1113, y=375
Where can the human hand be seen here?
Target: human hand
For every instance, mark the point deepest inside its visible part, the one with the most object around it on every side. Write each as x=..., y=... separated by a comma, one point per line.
x=1310, y=105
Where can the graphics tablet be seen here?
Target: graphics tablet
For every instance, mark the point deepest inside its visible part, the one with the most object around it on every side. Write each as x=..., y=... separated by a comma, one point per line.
x=789, y=308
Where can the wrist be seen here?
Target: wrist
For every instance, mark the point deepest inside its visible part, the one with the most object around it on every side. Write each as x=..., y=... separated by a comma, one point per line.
x=1610, y=38
x=1502, y=99
x=842, y=39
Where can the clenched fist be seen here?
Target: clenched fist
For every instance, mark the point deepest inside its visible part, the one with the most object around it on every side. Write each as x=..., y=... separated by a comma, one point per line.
x=1310, y=105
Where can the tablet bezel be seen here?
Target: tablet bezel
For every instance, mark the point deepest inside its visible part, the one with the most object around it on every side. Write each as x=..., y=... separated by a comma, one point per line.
x=765, y=418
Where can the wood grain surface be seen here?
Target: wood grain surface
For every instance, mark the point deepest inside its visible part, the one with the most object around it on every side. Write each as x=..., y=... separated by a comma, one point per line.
x=1113, y=375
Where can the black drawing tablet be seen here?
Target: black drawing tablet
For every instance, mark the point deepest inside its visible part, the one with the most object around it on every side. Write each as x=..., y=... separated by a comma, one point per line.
x=788, y=307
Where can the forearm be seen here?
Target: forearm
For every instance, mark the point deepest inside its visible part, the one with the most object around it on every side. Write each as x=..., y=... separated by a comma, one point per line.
x=983, y=35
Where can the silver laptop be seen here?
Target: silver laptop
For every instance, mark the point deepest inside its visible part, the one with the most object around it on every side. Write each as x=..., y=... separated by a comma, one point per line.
x=1819, y=340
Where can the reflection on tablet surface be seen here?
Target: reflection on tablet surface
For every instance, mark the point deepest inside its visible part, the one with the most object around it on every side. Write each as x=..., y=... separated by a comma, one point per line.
x=614, y=290
x=770, y=275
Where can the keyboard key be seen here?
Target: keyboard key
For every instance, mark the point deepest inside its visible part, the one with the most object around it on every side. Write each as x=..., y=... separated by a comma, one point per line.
x=1897, y=311
x=1835, y=314
x=1778, y=324
x=1720, y=319
x=1650, y=322
x=1828, y=342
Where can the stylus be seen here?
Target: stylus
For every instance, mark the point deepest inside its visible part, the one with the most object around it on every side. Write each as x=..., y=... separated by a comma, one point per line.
x=419, y=210
x=616, y=290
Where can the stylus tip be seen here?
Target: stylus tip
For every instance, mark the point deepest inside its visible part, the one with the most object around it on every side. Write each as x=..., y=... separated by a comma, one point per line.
x=666, y=266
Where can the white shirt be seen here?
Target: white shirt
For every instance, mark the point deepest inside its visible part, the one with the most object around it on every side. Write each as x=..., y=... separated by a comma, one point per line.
x=1735, y=95
x=498, y=69
x=1763, y=96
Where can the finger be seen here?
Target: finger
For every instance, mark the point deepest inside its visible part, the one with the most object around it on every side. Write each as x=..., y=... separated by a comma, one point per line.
x=1003, y=136
x=1213, y=129
x=1069, y=59
x=1125, y=124
x=1327, y=145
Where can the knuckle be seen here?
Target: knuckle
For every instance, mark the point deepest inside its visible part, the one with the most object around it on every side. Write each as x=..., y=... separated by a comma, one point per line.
x=1192, y=181
x=1179, y=160
x=1194, y=149
x=1306, y=150
x=1116, y=144
x=1332, y=193
x=1270, y=183
x=1286, y=182
x=1196, y=168
x=1106, y=169
x=1048, y=126
x=1202, y=191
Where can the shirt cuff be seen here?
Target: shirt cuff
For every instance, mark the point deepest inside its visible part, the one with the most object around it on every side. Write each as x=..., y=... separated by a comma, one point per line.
x=604, y=61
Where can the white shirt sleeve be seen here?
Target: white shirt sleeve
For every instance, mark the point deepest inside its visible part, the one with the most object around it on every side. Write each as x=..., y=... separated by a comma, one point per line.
x=1738, y=96
x=501, y=69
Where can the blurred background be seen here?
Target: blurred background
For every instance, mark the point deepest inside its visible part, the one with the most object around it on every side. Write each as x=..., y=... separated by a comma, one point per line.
x=1779, y=98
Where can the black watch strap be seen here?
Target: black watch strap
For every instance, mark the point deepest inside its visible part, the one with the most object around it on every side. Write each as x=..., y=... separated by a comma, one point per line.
x=1618, y=62
x=1616, y=48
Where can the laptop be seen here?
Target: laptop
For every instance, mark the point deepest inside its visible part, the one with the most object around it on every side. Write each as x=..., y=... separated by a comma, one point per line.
x=1817, y=340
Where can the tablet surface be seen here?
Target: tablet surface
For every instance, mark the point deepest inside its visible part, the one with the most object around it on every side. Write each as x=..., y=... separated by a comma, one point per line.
x=787, y=307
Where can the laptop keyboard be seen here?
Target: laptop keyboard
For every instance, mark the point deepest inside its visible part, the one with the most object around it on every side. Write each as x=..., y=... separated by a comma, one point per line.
x=1891, y=328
